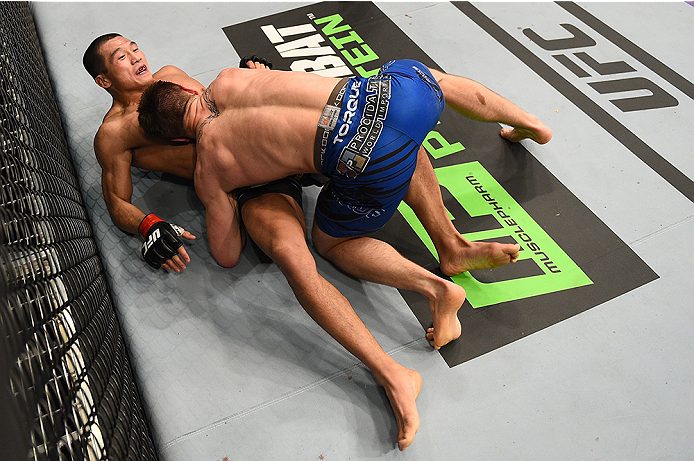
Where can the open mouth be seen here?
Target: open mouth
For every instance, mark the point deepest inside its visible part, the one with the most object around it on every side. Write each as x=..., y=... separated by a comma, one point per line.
x=141, y=70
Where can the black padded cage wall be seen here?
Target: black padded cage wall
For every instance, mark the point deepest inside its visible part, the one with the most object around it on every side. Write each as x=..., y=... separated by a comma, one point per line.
x=67, y=390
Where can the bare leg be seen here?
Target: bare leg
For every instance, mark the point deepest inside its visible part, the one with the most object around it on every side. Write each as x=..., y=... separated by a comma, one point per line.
x=377, y=261
x=456, y=254
x=275, y=222
x=478, y=102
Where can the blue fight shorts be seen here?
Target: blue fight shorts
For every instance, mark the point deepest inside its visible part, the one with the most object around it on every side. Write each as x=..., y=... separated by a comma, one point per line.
x=369, y=149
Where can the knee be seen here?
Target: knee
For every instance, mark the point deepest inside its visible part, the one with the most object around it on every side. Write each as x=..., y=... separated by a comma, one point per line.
x=291, y=257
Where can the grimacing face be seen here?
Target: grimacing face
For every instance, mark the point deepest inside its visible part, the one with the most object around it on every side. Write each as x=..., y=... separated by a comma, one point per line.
x=126, y=65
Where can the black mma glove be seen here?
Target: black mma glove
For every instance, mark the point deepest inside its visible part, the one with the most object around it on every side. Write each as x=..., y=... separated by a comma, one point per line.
x=254, y=58
x=161, y=240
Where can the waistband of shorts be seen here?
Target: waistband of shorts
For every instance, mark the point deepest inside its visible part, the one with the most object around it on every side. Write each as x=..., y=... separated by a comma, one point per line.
x=288, y=186
x=322, y=134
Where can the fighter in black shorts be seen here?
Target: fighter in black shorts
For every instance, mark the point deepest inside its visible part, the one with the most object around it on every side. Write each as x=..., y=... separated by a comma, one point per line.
x=291, y=186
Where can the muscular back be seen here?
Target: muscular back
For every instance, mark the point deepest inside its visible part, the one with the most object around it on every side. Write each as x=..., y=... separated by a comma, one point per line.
x=265, y=128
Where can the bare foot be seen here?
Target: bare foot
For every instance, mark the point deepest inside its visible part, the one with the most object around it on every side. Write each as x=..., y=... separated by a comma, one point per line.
x=538, y=132
x=444, y=312
x=402, y=388
x=470, y=256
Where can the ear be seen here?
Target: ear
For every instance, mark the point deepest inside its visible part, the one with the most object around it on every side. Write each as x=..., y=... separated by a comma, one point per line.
x=189, y=90
x=103, y=81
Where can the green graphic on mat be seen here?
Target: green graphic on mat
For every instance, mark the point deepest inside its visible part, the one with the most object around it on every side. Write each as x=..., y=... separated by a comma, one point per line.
x=481, y=195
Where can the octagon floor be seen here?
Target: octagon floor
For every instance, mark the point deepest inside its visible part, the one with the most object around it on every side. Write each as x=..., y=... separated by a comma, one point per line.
x=231, y=368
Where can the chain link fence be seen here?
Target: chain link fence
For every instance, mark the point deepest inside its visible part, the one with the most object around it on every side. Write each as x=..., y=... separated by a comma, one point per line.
x=67, y=390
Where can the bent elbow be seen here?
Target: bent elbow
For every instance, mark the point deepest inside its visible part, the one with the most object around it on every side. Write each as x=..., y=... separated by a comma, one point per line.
x=226, y=261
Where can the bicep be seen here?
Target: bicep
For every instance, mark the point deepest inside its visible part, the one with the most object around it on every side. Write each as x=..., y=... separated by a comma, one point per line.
x=115, y=163
x=117, y=186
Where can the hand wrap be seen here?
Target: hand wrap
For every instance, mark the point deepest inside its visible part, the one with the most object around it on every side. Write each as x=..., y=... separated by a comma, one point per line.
x=254, y=58
x=161, y=240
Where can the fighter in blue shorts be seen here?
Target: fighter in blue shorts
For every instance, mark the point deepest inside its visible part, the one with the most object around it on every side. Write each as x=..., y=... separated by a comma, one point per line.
x=371, y=153
x=253, y=127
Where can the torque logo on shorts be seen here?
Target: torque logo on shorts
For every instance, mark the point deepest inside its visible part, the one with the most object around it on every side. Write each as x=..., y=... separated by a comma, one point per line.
x=352, y=105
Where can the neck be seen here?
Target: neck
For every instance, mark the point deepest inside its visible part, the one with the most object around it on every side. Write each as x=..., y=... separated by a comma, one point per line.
x=196, y=114
x=127, y=97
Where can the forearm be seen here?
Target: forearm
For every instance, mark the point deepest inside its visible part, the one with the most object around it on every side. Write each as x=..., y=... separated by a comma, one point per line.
x=126, y=216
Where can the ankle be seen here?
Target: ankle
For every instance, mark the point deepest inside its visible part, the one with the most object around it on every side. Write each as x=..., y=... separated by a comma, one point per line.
x=391, y=375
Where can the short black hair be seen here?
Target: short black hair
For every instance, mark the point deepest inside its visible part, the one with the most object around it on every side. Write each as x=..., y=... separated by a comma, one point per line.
x=162, y=109
x=93, y=60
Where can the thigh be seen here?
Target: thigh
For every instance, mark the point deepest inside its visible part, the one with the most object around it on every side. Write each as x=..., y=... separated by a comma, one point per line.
x=273, y=216
x=323, y=242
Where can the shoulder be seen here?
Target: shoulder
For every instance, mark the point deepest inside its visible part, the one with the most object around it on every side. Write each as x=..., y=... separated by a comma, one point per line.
x=112, y=139
x=229, y=72
x=229, y=76
x=168, y=72
x=225, y=89
x=176, y=75
x=205, y=139
x=108, y=132
x=209, y=149
x=205, y=180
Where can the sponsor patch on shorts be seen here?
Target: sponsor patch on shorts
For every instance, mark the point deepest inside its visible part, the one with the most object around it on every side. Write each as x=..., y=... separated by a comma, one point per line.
x=328, y=119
